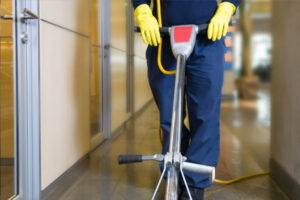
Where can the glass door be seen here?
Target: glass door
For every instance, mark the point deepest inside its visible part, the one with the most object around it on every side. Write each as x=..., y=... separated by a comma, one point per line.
x=7, y=108
x=100, y=101
x=96, y=125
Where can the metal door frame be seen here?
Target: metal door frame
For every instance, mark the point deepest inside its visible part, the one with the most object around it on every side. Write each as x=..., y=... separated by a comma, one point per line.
x=27, y=101
x=105, y=82
x=105, y=43
x=130, y=56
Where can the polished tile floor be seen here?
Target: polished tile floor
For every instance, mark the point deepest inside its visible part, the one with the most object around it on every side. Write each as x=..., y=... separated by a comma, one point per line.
x=245, y=150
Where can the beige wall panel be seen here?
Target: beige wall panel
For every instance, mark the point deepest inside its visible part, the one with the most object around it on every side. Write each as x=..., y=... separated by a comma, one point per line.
x=72, y=14
x=64, y=100
x=118, y=88
x=94, y=26
x=286, y=88
x=139, y=46
x=118, y=64
x=118, y=24
x=142, y=90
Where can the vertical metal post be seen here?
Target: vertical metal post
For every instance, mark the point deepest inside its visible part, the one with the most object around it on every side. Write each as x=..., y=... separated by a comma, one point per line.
x=130, y=57
x=27, y=79
x=176, y=127
x=104, y=8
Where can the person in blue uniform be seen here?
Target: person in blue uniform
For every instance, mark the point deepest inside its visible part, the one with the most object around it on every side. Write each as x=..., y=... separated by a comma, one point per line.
x=204, y=77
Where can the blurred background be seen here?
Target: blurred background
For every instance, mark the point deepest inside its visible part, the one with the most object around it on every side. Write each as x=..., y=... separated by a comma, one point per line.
x=95, y=102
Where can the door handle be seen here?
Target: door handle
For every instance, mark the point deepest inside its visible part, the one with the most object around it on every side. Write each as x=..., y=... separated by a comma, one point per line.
x=6, y=17
x=106, y=46
x=28, y=15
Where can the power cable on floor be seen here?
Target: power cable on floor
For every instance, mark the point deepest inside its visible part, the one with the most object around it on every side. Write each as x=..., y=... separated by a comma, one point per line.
x=239, y=179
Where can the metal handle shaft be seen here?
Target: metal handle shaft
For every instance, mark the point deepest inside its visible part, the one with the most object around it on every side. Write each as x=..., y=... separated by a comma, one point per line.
x=202, y=169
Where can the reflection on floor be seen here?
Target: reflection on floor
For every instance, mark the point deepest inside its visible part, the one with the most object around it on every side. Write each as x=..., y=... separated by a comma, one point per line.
x=245, y=150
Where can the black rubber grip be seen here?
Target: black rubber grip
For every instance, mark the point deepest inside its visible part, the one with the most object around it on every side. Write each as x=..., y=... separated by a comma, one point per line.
x=125, y=159
x=162, y=30
x=202, y=28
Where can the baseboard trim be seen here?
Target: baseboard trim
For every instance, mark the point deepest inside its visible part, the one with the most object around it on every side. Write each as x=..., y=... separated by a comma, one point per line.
x=63, y=182
x=97, y=140
x=287, y=183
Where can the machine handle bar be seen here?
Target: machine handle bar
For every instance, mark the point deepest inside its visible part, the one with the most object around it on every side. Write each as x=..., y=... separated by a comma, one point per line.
x=165, y=30
x=162, y=30
x=202, y=28
x=126, y=159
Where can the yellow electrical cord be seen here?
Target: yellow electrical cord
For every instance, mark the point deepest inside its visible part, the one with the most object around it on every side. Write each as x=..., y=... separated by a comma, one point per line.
x=228, y=182
x=159, y=64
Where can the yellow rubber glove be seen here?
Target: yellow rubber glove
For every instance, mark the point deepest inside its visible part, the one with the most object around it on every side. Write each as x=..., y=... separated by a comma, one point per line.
x=148, y=25
x=219, y=24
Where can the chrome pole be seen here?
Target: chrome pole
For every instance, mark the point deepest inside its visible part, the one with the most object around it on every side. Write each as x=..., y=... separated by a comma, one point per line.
x=172, y=183
x=176, y=127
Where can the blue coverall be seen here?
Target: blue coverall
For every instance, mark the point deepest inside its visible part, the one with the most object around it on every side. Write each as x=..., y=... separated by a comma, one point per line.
x=204, y=80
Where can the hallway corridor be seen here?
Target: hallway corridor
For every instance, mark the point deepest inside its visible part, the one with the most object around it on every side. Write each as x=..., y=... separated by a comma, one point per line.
x=242, y=154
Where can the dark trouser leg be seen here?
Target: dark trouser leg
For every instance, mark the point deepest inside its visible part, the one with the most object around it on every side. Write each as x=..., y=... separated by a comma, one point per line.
x=204, y=87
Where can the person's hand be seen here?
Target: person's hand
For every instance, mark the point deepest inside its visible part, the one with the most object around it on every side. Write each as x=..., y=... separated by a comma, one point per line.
x=148, y=25
x=219, y=24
